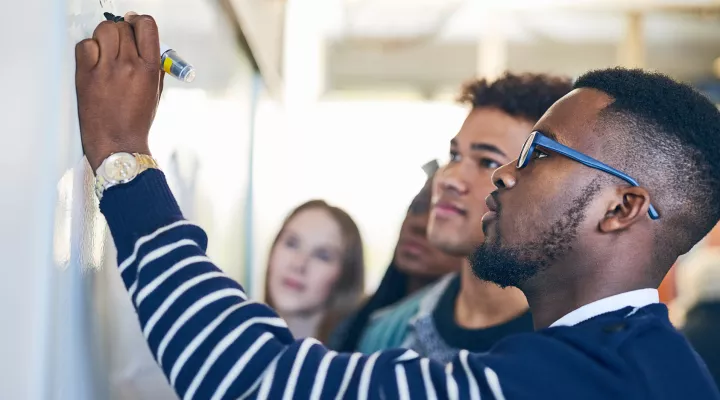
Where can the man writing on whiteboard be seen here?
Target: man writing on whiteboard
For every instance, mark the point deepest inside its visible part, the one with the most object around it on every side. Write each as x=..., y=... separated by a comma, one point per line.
x=587, y=242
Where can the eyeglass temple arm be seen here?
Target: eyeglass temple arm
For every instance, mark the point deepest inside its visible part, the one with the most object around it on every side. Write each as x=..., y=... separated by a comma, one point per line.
x=592, y=163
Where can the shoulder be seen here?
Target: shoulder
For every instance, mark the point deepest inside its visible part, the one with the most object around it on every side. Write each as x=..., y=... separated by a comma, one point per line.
x=655, y=350
x=423, y=301
x=389, y=326
x=638, y=347
x=396, y=314
x=524, y=363
x=434, y=293
x=612, y=332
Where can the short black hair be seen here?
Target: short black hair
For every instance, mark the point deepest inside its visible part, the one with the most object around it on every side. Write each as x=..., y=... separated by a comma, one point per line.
x=525, y=96
x=670, y=141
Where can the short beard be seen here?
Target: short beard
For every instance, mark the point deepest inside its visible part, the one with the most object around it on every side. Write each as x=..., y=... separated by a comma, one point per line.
x=515, y=265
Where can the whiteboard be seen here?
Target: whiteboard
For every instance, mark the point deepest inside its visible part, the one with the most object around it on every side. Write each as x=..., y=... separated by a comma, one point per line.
x=97, y=350
x=70, y=331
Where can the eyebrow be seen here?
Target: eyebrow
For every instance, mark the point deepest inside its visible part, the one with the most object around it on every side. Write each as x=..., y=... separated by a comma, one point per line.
x=328, y=245
x=482, y=147
x=548, y=133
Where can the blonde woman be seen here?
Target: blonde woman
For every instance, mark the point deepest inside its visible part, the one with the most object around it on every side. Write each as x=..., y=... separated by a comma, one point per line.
x=315, y=271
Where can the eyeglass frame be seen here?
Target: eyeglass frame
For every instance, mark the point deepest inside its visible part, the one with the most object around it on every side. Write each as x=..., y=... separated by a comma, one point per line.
x=537, y=139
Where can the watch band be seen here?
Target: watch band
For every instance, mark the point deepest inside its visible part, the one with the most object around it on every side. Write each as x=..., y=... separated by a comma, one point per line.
x=144, y=162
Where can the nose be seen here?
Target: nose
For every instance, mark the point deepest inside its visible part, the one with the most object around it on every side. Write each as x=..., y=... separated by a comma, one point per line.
x=504, y=177
x=300, y=264
x=451, y=179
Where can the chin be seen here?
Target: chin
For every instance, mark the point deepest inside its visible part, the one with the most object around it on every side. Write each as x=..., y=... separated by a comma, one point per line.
x=503, y=267
x=405, y=267
x=453, y=249
x=450, y=245
x=286, y=305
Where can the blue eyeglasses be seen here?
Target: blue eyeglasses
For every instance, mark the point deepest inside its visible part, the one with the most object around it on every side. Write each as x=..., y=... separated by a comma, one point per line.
x=537, y=139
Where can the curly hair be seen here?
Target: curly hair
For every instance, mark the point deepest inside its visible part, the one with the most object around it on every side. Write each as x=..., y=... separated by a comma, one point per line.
x=526, y=96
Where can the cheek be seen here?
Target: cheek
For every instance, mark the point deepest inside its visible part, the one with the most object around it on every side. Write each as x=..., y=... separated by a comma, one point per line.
x=531, y=208
x=323, y=280
x=278, y=263
x=279, y=267
x=273, y=280
x=521, y=219
x=482, y=189
x=522, y=228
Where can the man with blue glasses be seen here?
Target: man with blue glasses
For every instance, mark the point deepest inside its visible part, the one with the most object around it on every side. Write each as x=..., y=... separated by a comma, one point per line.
x=620, y=178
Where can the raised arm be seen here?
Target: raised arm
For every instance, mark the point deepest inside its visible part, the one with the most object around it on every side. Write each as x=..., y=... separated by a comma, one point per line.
x=210, y=341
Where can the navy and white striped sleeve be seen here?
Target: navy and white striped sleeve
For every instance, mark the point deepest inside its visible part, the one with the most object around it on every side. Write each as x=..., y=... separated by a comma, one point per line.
x=212, y=342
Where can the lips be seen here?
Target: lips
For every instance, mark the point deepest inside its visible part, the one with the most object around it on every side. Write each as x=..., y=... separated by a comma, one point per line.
x=493, y=206
x=293, y=284
x=492, y=203
x=448, y=208
x=413, y=246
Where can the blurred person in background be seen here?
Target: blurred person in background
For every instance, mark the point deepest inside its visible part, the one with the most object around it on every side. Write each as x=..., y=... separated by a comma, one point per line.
x=416, y=263
x=698, y=285
x=315, y=270
x=415, y=256
x=460, y=311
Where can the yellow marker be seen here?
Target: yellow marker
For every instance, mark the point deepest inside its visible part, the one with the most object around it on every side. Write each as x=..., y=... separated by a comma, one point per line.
x=175, y=66
x=167, y=64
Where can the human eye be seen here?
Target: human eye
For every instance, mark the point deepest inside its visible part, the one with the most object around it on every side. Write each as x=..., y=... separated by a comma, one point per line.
x=489, y=163
x=454, y=156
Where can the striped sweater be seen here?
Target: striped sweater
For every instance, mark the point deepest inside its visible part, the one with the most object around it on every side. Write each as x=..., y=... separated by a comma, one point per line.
x=212, y=342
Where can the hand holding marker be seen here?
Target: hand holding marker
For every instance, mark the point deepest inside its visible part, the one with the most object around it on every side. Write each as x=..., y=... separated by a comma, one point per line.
x=170, y=61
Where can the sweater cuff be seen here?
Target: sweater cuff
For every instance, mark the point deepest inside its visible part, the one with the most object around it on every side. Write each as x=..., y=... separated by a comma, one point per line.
x=139, y=208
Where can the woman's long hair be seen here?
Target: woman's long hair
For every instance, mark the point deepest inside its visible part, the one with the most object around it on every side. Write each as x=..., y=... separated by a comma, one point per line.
x=348, y=290
x=392, y=289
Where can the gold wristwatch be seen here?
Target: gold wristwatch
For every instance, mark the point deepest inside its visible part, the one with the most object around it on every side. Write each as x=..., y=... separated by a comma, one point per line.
x=120, y=168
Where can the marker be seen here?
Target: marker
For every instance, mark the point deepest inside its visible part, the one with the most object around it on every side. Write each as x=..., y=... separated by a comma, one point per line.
x=170, y=61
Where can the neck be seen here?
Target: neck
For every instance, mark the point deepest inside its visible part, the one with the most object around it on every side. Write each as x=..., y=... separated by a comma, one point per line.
x=557, y=292
x=416, y=283
x=303, y=325
x=481, y=304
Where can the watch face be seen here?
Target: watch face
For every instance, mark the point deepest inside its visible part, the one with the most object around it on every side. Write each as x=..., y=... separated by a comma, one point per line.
x=120, y=167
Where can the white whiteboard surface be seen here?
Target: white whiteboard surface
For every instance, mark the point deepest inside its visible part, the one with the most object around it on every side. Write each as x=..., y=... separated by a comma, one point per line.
x=96, y=350
x=40, y=304
x=69, y=330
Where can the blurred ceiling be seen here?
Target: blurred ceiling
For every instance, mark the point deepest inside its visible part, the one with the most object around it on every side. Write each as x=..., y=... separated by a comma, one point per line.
x=578, y=20
x=432, y=45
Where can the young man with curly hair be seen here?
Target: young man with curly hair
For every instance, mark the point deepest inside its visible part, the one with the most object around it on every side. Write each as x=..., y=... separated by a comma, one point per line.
x=461, y=311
